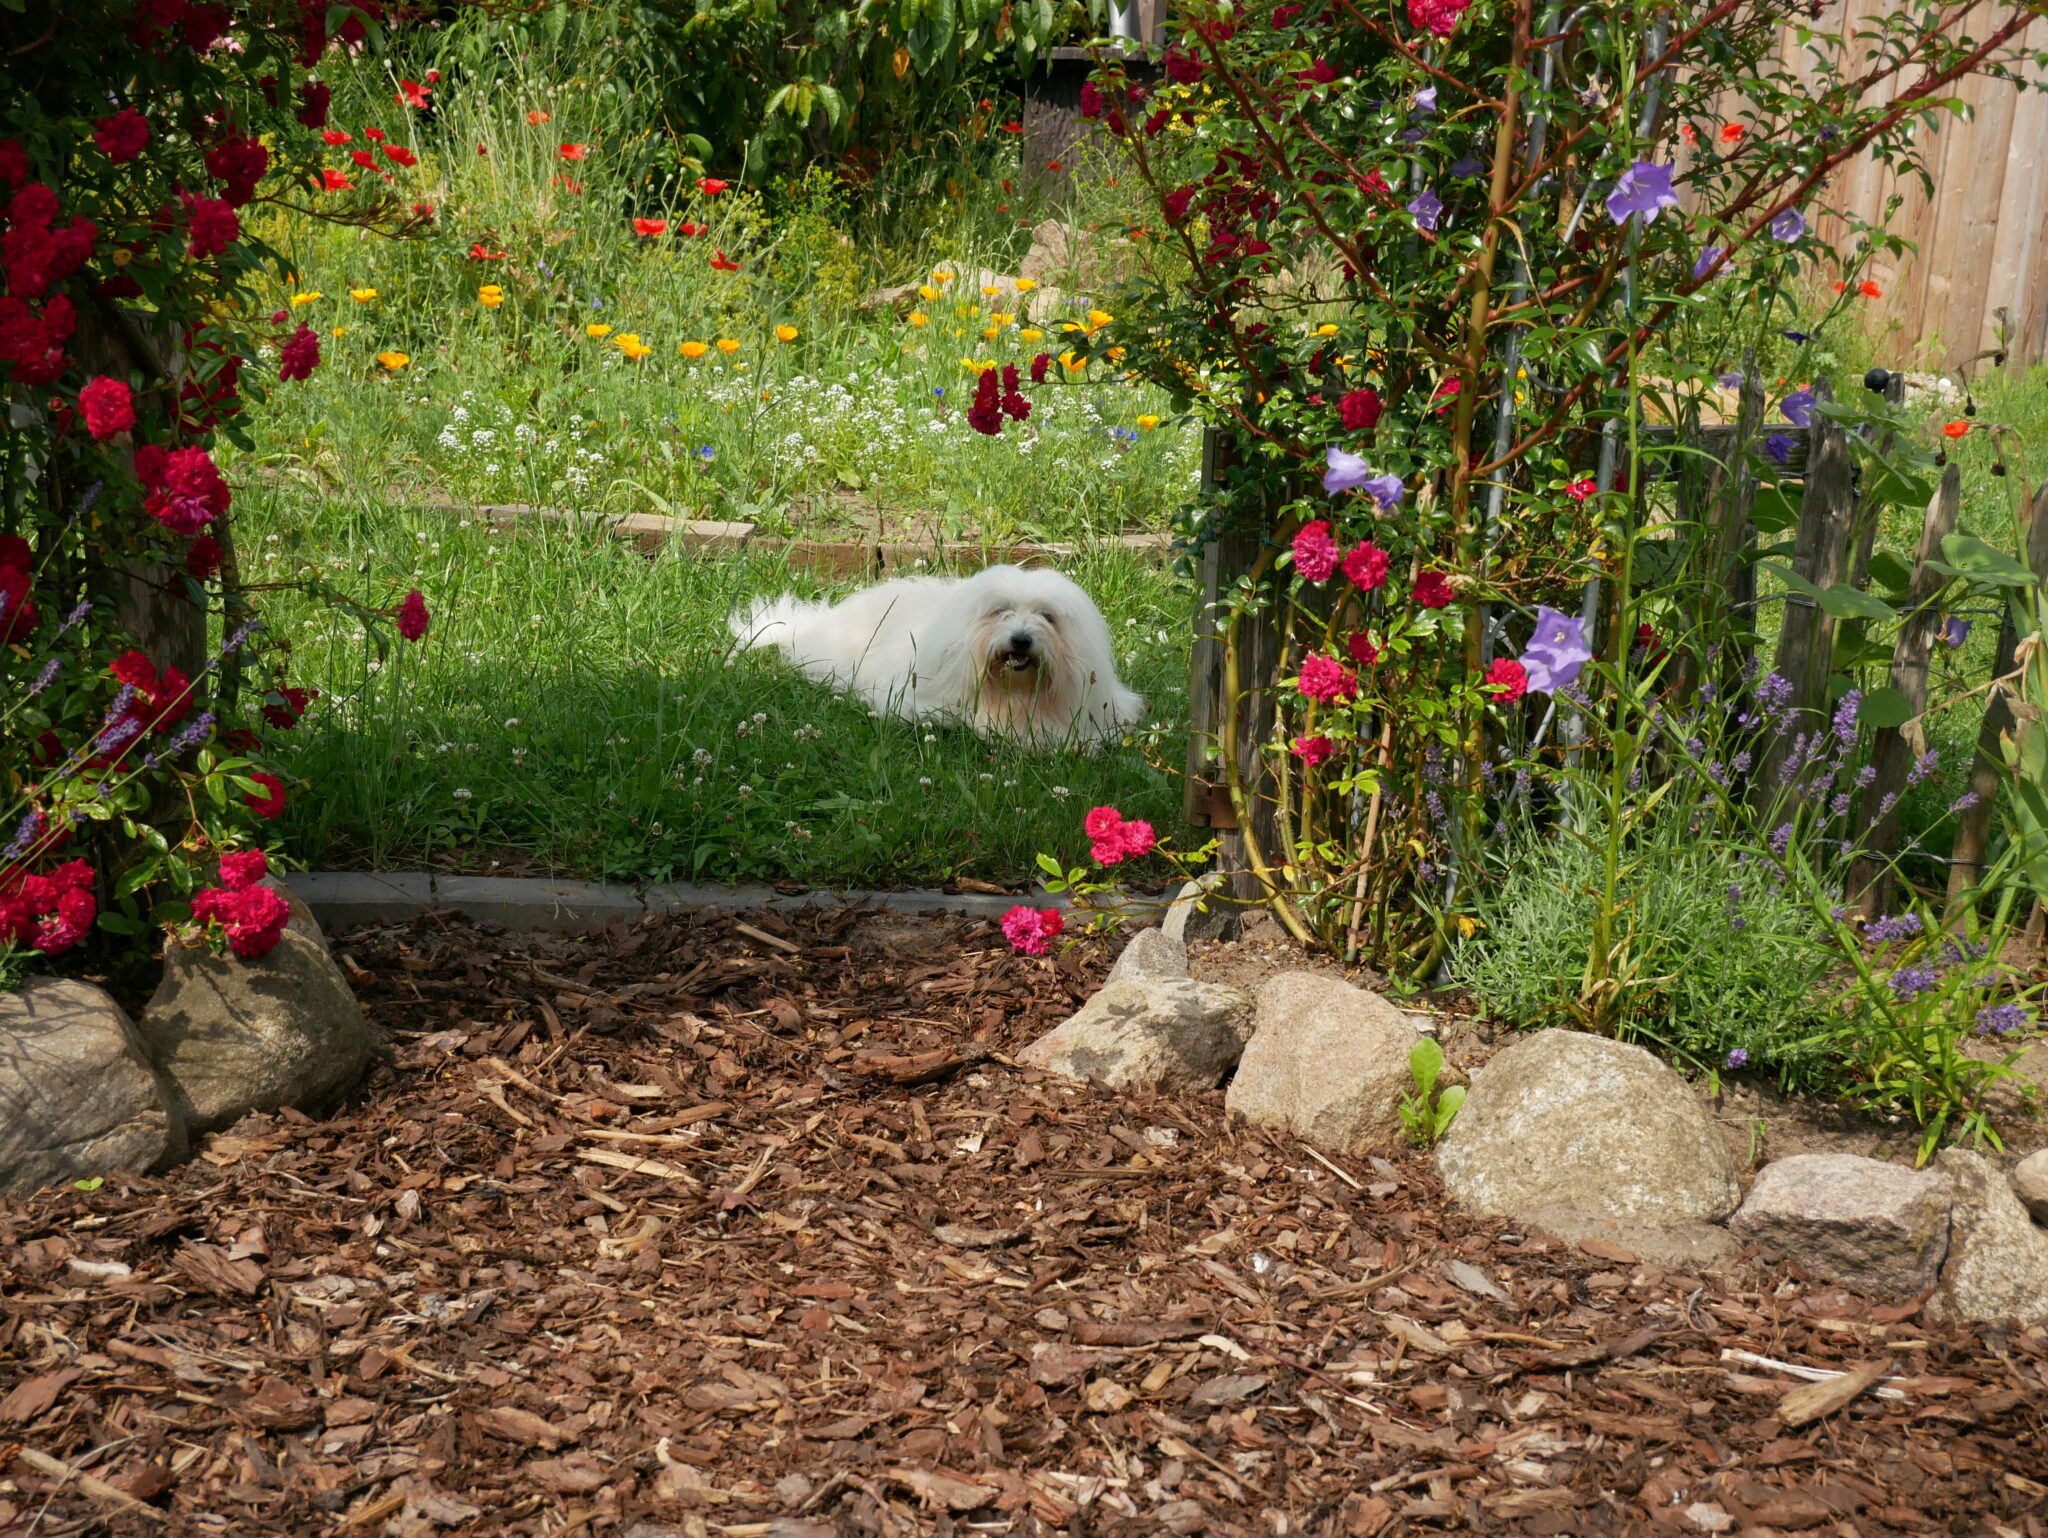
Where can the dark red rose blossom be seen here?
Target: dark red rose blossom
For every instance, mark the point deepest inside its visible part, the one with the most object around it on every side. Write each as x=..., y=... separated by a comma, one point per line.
x=300, y=354
x=34, y=204
x=313, y=99
x=1175, y=204
x=213, y=226
x=1432, y=591
x=238, y=164
x=244, y=869
x=1183, y=68
x=413, y=618
x=285, y=704
x=204, y=558
x=270, y=804
x=13, y=162
x=121, y=137
x=1360, y=410
x=203, y=26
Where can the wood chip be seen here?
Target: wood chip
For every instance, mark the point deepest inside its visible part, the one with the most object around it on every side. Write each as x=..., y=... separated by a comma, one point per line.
x=1810, y=1401
x=618, y=1161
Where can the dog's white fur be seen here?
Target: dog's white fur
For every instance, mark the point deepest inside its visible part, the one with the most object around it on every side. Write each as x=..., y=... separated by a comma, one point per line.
x=1021, y=655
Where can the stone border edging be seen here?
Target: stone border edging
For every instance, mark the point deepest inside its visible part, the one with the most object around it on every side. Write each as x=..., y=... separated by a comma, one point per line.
x=340, y=899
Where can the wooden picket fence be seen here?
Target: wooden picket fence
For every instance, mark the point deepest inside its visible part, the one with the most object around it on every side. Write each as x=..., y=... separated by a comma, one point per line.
x=1715, y=503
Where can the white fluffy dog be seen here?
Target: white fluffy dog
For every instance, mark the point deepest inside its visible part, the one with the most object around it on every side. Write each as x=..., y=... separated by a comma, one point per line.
x=1021, y=655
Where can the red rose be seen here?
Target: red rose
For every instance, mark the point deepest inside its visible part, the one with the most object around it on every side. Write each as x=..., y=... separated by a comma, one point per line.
x=1312, y=751
x=238, y=164
x=1507, y=680
x=1360, y=649
x=213, y=227
x=122, y=137
x=270, y=804
x=244, y=869
x=1432, y=591
x=313, y=99
x=1366, y=565
x=204, y=558
x=1360, y=410
x=300, y=354
x=13, y=162
x=108, y=407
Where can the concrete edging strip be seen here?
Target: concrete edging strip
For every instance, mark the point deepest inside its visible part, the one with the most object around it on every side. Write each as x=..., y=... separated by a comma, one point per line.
x=340, y=899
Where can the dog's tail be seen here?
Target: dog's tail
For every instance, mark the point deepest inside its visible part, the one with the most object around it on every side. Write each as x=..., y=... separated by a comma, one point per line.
x=767, y=621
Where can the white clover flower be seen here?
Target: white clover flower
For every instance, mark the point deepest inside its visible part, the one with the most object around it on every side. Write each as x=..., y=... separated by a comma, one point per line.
x=745, y=791
x=1060, y=792
x=462, y=794
x=511, y=722
x=925, y=780
x=701, y=757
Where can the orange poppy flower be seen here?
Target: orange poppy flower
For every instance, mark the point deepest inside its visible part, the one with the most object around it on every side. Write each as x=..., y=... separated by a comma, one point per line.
x=575, y=152
x=646, y=229
x=1869, y=290
x=1955, y=429
x=1689, y=134
x=537, y=117
x=1731, y=133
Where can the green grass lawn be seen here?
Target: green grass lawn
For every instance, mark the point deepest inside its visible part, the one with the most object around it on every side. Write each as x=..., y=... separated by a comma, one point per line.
x=577, y=709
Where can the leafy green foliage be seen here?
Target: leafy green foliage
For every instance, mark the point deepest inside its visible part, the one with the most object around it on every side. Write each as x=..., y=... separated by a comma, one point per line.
x=1427, y=1114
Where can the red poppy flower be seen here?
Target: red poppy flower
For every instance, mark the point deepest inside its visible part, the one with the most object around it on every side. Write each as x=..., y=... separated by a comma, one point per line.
x=711, y=186
x=1869, y=290
x=334, y=181
x=1053, y=165
x=423, y=210
x=481, y=253
x=538, y=117
x=398, y=154
x=722, y=263
x=1013, y=128
x=570, y=185
x=575, y=152
x=412, y=94
x=374, y=135
x=364, y=159
x=647, y=229
x=1955, y=429
x=691, y=230
x=1731, y=133
x=336, y=136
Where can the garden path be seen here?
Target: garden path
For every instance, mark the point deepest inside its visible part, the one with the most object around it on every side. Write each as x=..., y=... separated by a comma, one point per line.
x=744, y=1224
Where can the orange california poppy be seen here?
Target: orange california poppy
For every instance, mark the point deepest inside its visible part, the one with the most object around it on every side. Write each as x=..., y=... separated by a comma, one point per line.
x=1955, y=429
x=537, y=117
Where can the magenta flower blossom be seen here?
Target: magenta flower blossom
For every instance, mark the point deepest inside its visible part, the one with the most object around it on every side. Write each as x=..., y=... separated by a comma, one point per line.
x=1798, y=407
x=1789, y=225
x=1346, y=472
x=1032, y=930
x=1644, y=188
x=1427, y=208
x=1325, y=678
x=1315, y=552
x=1556, y=651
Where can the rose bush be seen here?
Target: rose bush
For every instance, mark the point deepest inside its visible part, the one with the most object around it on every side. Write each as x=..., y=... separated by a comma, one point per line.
x=134, y=136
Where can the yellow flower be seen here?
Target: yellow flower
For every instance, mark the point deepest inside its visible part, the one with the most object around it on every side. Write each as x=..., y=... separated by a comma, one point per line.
x=785, y=333
x=940, y=275
x=918, y=318
x=973, y=367
x=631, y=346
x=1097, y=319
x=362, y=295
x=1002, y=320
x=991, y=289
x=693, y=349
x=926, y=292
x=1025, y=285
x=490, y=296
x=306, y=298
x=728, y=346
x=991, y=332
x=1148, y=422
x=1031, y=334
x=393, y=360
x=341, y=331
x=597, y=328
x=1116, y=355
x=1072, y=363
x=1326, y=330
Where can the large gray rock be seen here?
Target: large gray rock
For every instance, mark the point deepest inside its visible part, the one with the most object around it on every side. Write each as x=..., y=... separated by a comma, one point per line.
x=78, y=1094
x=1203, y=911
x=1164, y=1033
x=1328, y=1060
x=1997, y=1265
x=1150, y=953
x=2030, y=1184
x=237, y=1036
x=1563, y=1119
x=1880, y=1228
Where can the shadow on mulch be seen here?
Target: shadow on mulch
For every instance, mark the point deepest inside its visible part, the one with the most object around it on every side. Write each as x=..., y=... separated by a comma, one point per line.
x=746, y=1224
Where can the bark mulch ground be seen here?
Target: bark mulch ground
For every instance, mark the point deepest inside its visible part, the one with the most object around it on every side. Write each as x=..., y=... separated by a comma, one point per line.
x=747, y=1225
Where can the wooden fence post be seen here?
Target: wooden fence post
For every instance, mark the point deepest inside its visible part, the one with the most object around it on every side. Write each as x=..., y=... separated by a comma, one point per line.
x=1806, y=636
x=1894, y=748
x=1206, y=801
x=1987, y=769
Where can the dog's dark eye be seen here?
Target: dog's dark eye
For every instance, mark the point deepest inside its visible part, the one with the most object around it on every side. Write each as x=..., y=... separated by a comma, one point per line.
x=1050, y=618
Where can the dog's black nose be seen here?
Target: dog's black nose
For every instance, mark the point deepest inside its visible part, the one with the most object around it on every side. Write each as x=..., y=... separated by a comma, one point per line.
x=1021, y=641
